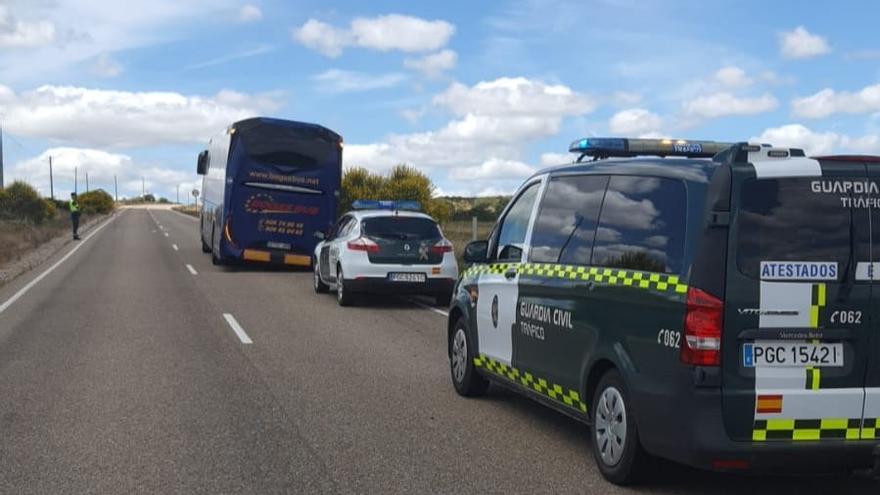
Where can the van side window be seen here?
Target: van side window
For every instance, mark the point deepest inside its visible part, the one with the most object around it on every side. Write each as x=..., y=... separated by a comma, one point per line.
x=642, y=225
x=512, y=233
x=566, y=222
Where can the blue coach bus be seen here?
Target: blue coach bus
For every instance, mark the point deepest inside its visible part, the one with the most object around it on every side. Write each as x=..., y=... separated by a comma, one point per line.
x=268, y=185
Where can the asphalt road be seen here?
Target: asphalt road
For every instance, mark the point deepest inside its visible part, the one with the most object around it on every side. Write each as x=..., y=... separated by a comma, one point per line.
x=120, y=372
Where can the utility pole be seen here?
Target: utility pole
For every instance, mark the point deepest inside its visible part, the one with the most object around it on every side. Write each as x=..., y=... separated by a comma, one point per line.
x=143, y=191
x=178, y=194
x=75, y=179
x=51, y=180
x=87, y=182
x=115, y=189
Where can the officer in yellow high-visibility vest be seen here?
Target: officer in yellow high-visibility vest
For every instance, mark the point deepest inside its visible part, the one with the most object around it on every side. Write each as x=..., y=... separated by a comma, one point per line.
x=74, y=215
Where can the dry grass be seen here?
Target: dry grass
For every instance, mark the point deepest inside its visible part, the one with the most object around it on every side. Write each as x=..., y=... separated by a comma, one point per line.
x=460, y=233
x=18, y=239
x=190, y=210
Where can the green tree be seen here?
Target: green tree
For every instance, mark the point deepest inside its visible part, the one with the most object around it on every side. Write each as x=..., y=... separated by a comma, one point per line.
x=20, y=201
x=96, y=201
x=403, y=182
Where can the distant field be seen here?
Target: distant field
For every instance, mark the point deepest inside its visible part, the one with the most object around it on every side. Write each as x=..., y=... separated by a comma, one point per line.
x=460, y=232
x=190, y=210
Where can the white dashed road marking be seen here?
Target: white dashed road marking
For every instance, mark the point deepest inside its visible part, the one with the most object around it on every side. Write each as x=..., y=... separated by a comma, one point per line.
x=242, y=336
x=175, y=247
x=191, y=269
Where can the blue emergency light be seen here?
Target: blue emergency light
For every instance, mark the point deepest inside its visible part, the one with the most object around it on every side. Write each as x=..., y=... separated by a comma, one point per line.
x=385, y=204
x=601, y=148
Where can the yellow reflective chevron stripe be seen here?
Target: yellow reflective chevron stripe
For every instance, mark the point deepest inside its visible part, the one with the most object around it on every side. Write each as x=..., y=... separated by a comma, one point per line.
x=659, y=282
x=817, y=304
x=558, y=393
x=800, y=430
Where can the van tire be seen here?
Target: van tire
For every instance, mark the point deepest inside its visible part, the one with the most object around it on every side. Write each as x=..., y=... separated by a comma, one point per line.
x=612, y=406
x=465, y=377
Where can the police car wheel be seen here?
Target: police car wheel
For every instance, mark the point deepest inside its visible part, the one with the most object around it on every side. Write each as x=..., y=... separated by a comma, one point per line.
x=343, y=296
x=320, y=286
x=616, y=446
x=465, y=378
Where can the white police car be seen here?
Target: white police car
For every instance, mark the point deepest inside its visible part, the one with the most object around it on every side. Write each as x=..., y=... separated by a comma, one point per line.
x=386, y=247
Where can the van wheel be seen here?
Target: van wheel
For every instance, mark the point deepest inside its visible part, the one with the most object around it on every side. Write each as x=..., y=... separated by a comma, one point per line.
x=320, y=286
x=616, y=446
x=465, y=378
x=343, y=296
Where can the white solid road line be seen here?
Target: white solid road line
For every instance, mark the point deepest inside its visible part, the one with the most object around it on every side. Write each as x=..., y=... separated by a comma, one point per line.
x=242, y=336
x=175, y=247
x=32, y=283
x=191, y=269
x=430, y=308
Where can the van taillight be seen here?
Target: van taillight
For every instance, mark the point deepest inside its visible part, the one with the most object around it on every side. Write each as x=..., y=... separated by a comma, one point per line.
x=702, y=329
x=363, y=244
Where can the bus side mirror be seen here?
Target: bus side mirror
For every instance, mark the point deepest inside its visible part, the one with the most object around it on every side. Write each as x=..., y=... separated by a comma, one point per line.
x=202, y=163
x=476, y=252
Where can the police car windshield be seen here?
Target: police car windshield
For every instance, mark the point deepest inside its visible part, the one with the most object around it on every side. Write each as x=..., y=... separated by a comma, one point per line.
x=401, y=227
x=788, y=220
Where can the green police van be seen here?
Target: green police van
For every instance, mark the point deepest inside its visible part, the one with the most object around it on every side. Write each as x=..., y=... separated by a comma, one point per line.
x=708, y=303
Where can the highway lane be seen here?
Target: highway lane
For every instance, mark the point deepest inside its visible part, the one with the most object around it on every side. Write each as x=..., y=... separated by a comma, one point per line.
x=134, y=380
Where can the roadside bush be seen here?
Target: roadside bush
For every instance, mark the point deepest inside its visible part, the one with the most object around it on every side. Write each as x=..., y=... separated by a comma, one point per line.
x=21, y=202
x=96, y=201
x=402, y=183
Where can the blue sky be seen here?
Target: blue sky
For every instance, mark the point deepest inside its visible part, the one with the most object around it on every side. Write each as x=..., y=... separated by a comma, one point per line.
x=476, y=94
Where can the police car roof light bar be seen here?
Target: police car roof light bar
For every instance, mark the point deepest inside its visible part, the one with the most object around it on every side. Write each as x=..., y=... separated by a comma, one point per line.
x=385, y=204
x=602, y=148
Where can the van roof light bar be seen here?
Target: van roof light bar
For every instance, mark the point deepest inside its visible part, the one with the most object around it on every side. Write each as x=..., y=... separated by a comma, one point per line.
x=602, y=148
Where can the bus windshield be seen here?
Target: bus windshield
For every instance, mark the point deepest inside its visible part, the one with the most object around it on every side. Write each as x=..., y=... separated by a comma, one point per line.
x=288, y=148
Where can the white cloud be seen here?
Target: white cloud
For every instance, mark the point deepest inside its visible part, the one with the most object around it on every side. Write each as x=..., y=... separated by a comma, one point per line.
x=551, y=159
x=495, y=122
x=818, y=143
x=732, y=77
x=106, y=66
x=101, y=167
x=322, y=37
x=84, y=30
x=19, y=34
x=634, y=122
x=827, y=102
x=383, y=33
x=493, y=169
x=800, y=43
x=514, y=97
x=345, y=81
x=433, y=65
x=250, y=13
x=724, y=104
x=96, y=117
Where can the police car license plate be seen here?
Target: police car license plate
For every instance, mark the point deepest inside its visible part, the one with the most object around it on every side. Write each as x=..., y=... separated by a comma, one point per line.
x=791, y=354
x=407, y=277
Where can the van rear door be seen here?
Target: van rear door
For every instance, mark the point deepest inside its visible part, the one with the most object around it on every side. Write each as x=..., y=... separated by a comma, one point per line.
x=797, y=325
x=872, y=270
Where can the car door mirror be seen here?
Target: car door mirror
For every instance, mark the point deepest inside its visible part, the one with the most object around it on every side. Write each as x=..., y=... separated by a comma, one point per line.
x=476, y=252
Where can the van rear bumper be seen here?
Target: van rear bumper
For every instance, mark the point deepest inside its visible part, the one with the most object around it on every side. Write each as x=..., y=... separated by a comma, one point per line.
x=702, y=442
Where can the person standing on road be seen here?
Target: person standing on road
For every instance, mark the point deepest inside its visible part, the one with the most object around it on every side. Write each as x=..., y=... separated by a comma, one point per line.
x=74, y=215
